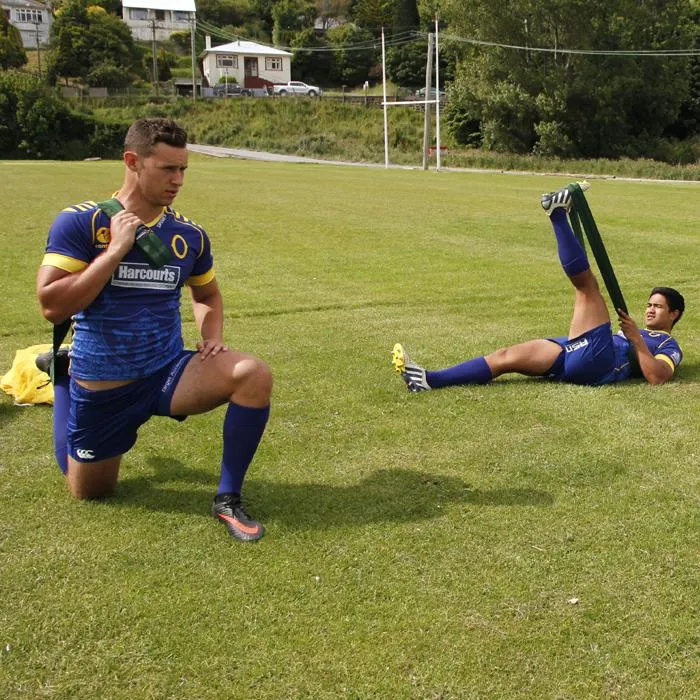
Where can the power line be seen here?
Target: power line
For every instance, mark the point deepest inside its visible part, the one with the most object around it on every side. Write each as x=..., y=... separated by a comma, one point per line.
x=585, y=52
x=205, y=28
x=411, y=36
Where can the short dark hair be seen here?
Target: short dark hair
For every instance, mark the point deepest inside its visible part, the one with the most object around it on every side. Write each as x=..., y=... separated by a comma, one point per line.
x=674, y=299
x=144, y=134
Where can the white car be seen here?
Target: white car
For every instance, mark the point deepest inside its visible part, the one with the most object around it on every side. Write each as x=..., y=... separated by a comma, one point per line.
x=296, y=87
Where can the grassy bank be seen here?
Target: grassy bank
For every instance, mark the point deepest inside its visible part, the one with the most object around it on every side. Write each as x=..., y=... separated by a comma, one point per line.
x=334, y=130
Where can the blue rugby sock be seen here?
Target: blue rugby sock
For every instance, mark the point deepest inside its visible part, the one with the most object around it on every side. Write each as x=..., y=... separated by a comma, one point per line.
x=243, y=429
x=571, y=253
x=61, y=407
x=476, y=371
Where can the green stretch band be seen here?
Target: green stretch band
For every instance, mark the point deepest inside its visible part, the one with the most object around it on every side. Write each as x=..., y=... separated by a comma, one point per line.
x=582, y=211
x=147, y=241
x=581, y=215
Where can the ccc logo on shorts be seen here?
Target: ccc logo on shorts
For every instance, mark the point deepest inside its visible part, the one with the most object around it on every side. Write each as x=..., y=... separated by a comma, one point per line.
x=85, y=454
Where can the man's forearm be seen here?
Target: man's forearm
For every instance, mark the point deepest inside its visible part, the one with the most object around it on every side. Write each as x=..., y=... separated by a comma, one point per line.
x=653, y=370
x=209, y=317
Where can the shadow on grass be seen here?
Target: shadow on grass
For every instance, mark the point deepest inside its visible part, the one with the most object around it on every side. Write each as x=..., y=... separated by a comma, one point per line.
x=688, y=371
x=387, y=495
x=6, y=412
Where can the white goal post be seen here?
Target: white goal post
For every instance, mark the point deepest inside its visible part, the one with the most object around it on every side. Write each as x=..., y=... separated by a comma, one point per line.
x=407, y=103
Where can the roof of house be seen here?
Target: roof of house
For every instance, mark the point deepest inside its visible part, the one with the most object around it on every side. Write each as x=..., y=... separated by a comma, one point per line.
x=25, y=3
x=247, y=47
x=177, y=5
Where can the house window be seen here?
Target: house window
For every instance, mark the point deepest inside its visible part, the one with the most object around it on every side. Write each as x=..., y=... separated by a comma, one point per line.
x=160, y=15
x=273, y=63
x=226, y=61
x=181, y=16
x=29, y=16
x=138, y=13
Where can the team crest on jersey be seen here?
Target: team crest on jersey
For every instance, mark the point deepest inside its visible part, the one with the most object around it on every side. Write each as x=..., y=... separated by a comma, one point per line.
x=102, y=237
x=143, y=276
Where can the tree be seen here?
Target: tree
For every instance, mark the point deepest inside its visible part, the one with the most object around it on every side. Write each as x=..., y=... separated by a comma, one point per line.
x=262, y=9
x=35, y=123
x=107, y=75
x=313, y=67
x=406, y=63
x=84, y=38
x=110, y=41
x=330, y=11
x=224, y=12
x=12, y=53
x=290, y=17
x=374, y=14
x=405, y=16
x=70, y=45
x=351, y=62
x=561, y=103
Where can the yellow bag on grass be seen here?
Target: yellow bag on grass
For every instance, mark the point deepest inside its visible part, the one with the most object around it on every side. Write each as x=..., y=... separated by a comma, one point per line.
x=25, y=381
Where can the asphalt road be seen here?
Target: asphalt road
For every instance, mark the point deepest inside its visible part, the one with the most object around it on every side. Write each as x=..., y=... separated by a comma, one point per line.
x=222, y=152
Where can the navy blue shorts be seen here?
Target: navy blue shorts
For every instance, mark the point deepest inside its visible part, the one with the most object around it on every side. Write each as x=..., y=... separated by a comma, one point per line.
x=104, y=424
x=588, y=359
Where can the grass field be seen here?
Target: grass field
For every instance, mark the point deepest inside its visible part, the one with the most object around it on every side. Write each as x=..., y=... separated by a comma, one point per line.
x=519, y=540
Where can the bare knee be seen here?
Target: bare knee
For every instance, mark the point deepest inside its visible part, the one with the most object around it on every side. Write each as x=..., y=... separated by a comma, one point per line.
x=253, y=382
x=92, y=481
x=91, y=492
x=586, y=283
x=499, y=361
x=532, y=358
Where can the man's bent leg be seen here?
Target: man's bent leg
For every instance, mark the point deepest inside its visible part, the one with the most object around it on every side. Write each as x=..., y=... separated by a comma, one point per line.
x=533, y=358
x=227, y=376
x=92, y=480
x=590, y=309
x=246, y=383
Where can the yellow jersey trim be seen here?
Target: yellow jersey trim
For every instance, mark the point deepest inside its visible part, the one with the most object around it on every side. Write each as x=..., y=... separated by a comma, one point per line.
x=201, y=280
x=63, y=262
x=667, y=359
x=151, y=224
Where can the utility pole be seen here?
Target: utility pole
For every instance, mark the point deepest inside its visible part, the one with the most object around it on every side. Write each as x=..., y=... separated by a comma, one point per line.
x=194, y=81
x=155, y=57
x=428, y=85
x=38, y=47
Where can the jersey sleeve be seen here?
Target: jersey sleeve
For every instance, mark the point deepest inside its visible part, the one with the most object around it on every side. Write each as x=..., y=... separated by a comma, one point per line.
x=670, y=352
x=203, y=270
x=69, y=246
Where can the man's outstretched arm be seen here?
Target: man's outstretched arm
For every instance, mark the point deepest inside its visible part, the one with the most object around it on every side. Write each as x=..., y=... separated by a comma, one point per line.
x=653, y=370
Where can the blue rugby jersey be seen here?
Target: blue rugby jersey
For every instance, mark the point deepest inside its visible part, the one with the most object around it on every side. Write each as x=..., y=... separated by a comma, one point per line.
x=133, y=327
x=661, y=345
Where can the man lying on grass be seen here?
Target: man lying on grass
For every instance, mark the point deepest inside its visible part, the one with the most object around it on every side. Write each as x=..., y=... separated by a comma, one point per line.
x=591, y=354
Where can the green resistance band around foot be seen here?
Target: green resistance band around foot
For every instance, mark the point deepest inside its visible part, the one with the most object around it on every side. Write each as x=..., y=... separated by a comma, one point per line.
x=147, y=241
x=581, y=211
x=581, y=216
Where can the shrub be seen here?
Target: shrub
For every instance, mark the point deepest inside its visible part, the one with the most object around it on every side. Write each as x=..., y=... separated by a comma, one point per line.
x=107, y=75
x=37, y=124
